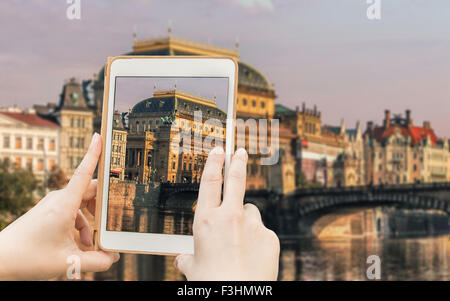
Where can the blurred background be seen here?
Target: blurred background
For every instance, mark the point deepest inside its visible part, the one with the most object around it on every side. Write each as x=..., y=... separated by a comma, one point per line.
x=361, y=92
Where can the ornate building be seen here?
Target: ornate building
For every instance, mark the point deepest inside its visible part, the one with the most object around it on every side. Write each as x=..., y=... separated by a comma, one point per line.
x=316, y=147
x=158, y=128
x=282, y=174
x=399, y=152
x=75, y=118
x=348, y=169
x=118, y=147
x=255, y=97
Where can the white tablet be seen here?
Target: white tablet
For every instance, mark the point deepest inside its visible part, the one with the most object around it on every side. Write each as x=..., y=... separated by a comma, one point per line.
x=161, y=117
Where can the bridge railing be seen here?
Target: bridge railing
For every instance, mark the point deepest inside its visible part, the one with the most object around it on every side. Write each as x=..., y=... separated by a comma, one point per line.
x=390, y=187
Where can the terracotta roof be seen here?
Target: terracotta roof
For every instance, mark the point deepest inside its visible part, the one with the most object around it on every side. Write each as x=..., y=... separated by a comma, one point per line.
x=30, y=119
x=416, y=133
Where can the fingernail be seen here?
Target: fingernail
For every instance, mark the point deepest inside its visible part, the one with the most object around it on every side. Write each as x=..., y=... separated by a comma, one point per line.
x=241, y=153
x=217, y=150
x=93, y=140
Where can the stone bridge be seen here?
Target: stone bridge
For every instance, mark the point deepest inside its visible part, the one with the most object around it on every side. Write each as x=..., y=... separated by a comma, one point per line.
x=283, y=213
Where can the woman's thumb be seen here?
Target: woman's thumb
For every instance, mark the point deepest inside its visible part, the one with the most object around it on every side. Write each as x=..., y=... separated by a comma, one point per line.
x=184, y=263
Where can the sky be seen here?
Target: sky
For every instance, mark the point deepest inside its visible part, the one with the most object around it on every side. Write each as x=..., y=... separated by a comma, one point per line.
x=322, y=52
x=131, y=90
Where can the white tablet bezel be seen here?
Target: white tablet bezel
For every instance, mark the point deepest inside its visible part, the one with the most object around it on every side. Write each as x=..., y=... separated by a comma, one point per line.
x=153, y=243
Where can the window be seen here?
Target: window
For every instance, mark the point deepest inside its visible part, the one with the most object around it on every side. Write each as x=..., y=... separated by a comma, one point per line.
x=71, y=122
x=79, y=142
x=40, y=144
x=244, y=102
x=18, y=142
x=380, y=167
x=40, y=166
x=52, y=145
x=29, y=164
x=253, y=103
x=6, y=141
x=51, y=163
x=263, y=104
x=29, y=143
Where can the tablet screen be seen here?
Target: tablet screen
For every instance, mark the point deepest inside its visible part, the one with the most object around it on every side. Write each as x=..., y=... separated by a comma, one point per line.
x=163, y=129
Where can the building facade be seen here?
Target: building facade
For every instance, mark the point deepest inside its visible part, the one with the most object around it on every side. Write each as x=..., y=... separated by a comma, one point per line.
x=398, y=152
x=75, y=118
x=118, y=147
x=255, y=97
x=316, y=147
x=167, y=142
x=29, y=141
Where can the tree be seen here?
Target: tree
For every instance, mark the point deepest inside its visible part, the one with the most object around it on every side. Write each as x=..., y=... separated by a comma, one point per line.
x=301, y=180
x=16, y=186
x=56, y=179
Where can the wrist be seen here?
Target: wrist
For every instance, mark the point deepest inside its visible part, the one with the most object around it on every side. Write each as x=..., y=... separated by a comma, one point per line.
x=6, y=259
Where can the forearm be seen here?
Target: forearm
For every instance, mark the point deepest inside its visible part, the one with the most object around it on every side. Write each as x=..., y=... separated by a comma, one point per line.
x=6, y=260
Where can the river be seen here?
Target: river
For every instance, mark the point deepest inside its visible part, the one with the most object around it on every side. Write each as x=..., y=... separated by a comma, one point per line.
x=401, y=258
x=422, y=258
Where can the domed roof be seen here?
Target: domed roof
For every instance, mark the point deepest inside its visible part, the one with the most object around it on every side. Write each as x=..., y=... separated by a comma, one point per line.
x=251, y=77
x=248, y=76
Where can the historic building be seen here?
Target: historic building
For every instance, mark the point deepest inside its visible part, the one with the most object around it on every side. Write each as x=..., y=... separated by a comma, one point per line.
x=255, y=97
x=316, y=147
x=399, y=152
x=75, y=118
x=283, y=174
x=118, y=147
x=348, y=169
x=167, y=142
x=29, y=141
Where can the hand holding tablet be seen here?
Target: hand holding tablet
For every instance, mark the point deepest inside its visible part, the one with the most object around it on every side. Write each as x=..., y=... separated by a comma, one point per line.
x=230, y=240
x=161, y=118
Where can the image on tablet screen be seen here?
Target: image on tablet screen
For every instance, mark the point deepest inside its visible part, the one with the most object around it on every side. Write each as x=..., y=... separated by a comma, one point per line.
x=163, y=129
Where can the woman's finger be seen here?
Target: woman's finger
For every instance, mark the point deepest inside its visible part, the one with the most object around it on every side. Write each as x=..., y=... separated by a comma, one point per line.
x=211, y=182
x=91, y=191
x=89, y=200
x=97, y=261
x=82, y=225
x=235, y=182
x=82, y=176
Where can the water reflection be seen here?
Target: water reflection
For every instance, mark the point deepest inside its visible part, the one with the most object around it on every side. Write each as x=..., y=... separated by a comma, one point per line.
x=401, y=259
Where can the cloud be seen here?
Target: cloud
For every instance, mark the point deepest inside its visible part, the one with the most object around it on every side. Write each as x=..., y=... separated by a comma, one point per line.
x=264, y=5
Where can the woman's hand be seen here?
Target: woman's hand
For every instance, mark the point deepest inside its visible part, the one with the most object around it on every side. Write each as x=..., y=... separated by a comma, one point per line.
x=39, y=244
x=230, y=240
